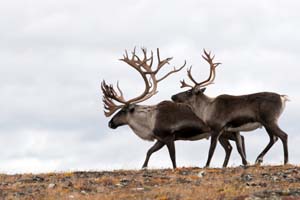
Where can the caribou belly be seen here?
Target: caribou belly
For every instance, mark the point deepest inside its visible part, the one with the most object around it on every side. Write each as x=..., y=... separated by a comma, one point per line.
x=245, y=127
x=195, y=137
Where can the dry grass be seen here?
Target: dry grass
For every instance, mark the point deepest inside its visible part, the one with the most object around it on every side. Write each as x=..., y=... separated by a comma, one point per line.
x=275, y=182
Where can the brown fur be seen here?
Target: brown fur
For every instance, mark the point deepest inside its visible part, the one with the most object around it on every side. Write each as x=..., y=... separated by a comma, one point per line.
x=235, y=111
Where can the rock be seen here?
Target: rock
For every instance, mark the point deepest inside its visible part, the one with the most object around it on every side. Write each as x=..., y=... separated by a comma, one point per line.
x=83, y=192
x=182, y=180
x=184, y=171
x=246, y=177
x=68, y=184
x=32, y=180
x=138, y=189
x=124, y=182
x=19, y=194
x=51, y=185
x=38, y=179
x=146, y=175
x=201, y=174
x=276, y=194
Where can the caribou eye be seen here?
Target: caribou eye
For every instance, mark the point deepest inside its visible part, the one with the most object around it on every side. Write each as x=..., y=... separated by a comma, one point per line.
x=122, y=111
x=131, y=110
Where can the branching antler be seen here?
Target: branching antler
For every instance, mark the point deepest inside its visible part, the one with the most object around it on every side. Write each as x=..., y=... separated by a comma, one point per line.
x=109, y=94
x=212, y=74
x=144, y=67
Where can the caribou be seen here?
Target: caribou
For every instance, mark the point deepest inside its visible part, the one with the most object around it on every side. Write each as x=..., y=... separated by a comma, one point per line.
x=234, y=113
x=165, y=122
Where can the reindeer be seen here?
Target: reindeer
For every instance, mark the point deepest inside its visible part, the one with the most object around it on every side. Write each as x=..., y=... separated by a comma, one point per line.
x=165, y=122
x=235, y=113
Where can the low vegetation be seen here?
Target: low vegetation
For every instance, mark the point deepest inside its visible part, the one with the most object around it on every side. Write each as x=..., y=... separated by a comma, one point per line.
x=265, y=182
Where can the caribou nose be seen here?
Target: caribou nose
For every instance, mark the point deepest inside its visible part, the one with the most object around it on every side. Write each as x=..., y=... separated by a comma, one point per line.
x=174, y=97
x=111, y=125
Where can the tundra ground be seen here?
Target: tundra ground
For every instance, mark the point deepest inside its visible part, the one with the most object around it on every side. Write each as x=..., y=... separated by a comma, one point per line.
x=254, y=182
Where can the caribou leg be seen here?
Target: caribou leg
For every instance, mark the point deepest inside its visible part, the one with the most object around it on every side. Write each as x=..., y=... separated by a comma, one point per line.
x=213, y=144
x=240, y=145
x=171, y=148
x=274, y=132
x=238, y=139
x=157, y=146
x=243, y=146
x=227, y=147
x=272, y=141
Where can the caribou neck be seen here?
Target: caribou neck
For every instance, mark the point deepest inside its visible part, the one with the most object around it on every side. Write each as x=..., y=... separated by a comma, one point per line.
x=142, y=121
x=202, y=106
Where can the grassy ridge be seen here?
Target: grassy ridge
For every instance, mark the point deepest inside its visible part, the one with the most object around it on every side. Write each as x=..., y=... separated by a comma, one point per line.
x=275, y=182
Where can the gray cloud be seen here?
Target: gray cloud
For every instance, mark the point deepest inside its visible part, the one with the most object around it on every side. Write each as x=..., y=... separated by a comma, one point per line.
x=55, y=53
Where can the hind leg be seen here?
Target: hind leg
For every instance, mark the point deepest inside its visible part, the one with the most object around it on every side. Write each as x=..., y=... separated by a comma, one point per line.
x=240, y=144
x=243, y=145
x=274, y=132
x=272, y=141
x=227, y=147
x=274, y=128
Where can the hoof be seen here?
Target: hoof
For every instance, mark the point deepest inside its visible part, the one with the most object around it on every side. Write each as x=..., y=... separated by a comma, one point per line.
x=245, y=166
x=259, y=161
x=246, y=163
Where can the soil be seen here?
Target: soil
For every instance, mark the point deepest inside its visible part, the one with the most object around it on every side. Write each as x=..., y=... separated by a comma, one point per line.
x=251, y=183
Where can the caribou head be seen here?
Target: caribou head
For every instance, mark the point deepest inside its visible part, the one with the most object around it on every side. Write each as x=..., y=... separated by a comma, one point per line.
x=197, y=89
x=128, y=109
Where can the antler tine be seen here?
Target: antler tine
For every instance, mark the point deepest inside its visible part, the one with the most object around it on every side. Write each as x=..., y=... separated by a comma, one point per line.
x=147, y=67
x=161, y=63
x=152, y=74
x=143, y=68
x=109, y=92
x=120, y=91
x=133, y=53
x=173, y=71
x=149, y=76
x=126, y=54
x=212, y=74
x=150, y=59
x=184, y=84
x=189, y=72
x=109, y=106
x=151, y=83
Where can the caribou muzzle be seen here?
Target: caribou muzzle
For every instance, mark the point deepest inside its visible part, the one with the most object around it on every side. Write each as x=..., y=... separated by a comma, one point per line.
x=175, y=98
x=112, y=125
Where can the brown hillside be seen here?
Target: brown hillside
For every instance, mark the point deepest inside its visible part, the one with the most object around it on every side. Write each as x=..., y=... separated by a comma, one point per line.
x=267, y=182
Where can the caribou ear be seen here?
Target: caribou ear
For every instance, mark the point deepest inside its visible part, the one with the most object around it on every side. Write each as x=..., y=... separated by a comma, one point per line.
x=199, y=91
x=131, y=108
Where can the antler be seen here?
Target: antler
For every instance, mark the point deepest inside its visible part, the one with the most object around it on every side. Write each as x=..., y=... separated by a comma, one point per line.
x=144, y=67
x=212, y=74
x=109, y=94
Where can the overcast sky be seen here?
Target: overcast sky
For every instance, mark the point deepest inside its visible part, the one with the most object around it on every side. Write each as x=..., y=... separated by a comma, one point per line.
x=54, y=54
